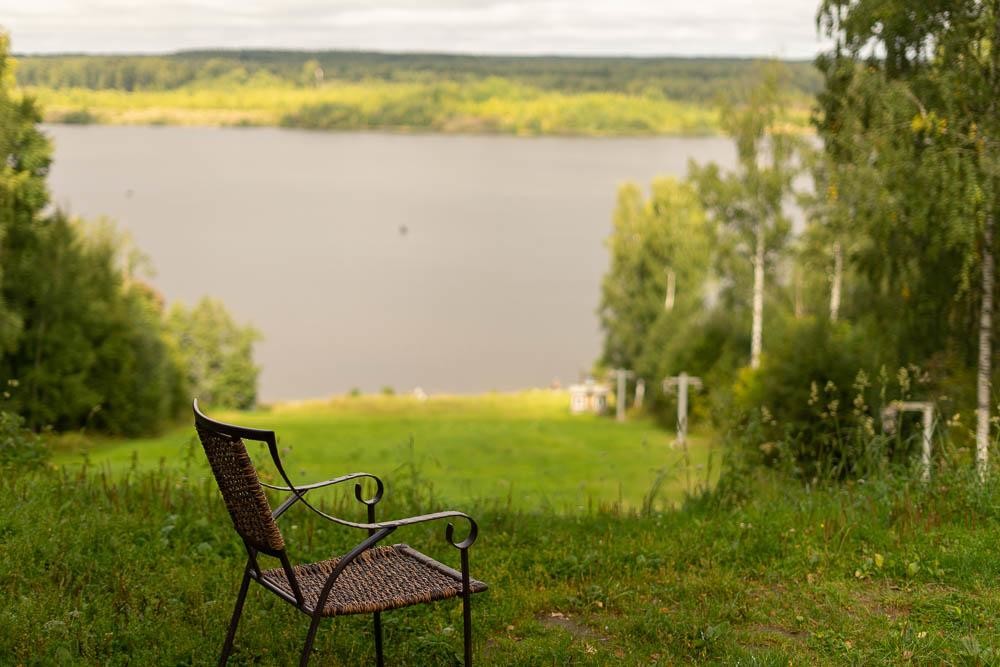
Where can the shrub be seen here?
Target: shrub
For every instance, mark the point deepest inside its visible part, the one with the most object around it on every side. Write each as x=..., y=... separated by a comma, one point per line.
x=20, y=447
x=811, y=402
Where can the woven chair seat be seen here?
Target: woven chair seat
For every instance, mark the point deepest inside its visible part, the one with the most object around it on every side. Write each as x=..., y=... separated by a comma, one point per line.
x=381, y=578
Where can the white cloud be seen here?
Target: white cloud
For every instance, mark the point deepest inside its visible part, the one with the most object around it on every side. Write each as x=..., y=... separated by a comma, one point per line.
x=783, y=28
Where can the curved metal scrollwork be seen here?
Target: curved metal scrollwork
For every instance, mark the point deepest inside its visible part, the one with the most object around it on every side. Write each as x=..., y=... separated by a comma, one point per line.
x=379, y=490
x=470, y=539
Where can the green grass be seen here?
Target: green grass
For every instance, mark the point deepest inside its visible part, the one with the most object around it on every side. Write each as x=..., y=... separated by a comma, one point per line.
x=143, y=568
x=131, y=558
x=521, y=450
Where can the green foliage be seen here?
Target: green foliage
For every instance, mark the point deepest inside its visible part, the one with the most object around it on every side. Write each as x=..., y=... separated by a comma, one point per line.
x=83, y=342
x=656, y=280
x=93, y=352
x=910, y=117
x=77, y=335
x=216, y=354
x=20, y=447
x=705, y=236
x=750, y=201
x=25, y=155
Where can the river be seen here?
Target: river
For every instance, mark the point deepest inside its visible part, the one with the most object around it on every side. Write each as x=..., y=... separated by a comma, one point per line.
x=452, y=263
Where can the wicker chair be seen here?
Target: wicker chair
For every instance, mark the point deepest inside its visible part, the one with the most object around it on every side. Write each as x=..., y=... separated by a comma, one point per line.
x=369, y=579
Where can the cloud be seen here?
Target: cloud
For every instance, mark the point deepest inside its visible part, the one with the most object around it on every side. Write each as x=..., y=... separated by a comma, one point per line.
x=783, y=28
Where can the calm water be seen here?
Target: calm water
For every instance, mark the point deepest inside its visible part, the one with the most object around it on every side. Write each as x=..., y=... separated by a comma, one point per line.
x=451, y=263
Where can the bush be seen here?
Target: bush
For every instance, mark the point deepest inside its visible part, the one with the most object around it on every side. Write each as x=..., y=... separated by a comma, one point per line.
x=810, y=402
x=216, y=354
x=20, y=447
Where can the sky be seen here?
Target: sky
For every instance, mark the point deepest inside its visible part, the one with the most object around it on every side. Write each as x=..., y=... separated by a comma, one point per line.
x=772, y=28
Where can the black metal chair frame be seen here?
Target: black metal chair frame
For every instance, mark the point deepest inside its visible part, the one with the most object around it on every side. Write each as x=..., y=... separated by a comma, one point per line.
x=377, y=531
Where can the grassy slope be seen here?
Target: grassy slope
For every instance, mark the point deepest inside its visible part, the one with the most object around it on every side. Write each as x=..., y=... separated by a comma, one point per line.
x=143, y=570
x=523, y=449
x=120, y=565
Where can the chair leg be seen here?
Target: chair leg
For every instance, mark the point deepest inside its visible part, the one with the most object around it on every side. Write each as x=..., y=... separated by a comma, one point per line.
x=227, y=647
x=310, y=638
x=379, y=658
x=466, y=609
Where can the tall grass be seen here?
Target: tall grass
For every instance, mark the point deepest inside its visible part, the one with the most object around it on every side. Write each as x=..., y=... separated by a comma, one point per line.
x=141, y=567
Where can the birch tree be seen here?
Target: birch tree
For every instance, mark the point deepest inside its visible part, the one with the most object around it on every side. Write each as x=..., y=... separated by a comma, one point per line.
x=912, y=90
x=659, y=262
x=747, y=204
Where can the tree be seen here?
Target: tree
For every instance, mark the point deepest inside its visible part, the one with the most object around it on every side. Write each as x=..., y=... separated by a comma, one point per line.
x=25, y=155
x=659, y=250
x=912, y=89
x=748, y=204
x=81, y=340
x=216, y=354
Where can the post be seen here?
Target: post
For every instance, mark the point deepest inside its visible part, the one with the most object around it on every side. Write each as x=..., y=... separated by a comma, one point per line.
x=681, y=383
x=682, y=408
x=640, y=392
x=891, y=411
x=925, y=454
x=622, y=375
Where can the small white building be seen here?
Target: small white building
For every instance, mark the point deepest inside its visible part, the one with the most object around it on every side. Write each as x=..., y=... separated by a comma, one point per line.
x=588, y=397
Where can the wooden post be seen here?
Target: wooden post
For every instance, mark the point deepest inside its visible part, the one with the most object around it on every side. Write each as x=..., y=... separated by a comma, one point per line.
x=640, y=392
x=622, y=376
x=889, y=414
x=681, y=383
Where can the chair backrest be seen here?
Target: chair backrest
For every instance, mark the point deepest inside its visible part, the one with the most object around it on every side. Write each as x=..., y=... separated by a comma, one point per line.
x=237, y=479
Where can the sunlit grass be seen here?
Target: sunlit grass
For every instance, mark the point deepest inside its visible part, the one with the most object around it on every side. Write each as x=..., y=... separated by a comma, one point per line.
x=522, y=449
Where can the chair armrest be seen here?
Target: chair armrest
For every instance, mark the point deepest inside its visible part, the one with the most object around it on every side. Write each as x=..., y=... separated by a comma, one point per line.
x=413, y=520
x=298, y=492
x=329, y=482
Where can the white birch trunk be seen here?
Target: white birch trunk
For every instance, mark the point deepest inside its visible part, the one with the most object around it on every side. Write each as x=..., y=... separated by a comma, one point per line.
x=756, y=333
x=985, y=354
x=668, y=303
x=838, y=277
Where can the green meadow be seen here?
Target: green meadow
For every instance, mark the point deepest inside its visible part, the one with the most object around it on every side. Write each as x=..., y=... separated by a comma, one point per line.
x=142, y=567
x=523, y=450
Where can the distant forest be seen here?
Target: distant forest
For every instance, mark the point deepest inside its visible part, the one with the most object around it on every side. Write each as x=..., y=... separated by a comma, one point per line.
x=341, y=90
x=701, y=80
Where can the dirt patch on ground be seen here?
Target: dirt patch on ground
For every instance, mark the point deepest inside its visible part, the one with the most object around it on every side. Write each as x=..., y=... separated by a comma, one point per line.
x=778, y=631
x=557, y=619
x=875, y=602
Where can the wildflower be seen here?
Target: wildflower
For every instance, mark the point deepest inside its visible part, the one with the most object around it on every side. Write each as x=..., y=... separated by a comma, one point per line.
x=903, y=377
x=861, y=381
x=813, y=394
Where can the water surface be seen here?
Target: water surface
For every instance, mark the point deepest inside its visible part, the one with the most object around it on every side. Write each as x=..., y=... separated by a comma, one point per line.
x=453, y=263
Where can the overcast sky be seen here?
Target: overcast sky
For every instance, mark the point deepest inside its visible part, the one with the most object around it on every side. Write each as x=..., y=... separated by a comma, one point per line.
x=782, y=28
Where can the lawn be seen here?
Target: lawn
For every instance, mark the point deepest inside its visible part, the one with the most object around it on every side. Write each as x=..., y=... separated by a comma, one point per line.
x=131, y=559
x=143, y=569
x=523, y=451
